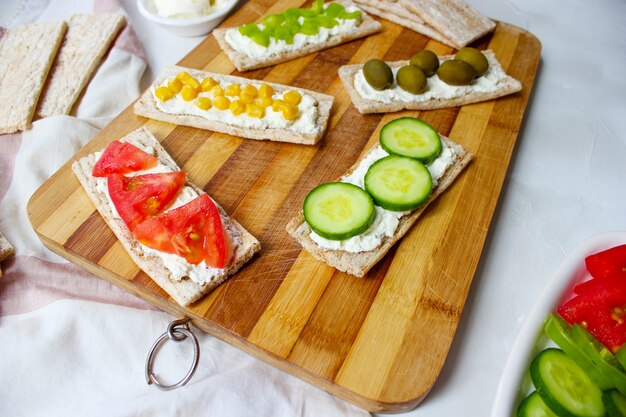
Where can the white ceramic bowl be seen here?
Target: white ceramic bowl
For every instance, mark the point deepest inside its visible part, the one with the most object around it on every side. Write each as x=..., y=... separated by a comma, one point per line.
x=515, y=381
x=185, y=27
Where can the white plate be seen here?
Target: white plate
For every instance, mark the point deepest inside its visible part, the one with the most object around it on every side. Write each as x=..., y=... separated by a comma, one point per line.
x=515, y=382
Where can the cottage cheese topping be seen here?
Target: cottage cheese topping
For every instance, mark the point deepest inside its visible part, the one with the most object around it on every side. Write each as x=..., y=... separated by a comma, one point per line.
x=178, y=266
x=386, y=222
x=247, y=46
x=437, y=89
x=305, y=123
x=187, y=9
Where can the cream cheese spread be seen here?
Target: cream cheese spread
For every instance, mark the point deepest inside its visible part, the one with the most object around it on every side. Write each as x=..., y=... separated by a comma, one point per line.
x=187, y=9
x=386, y=221
x=308, y=113
x=247, y=46
x=436, y=89
x=178, y=266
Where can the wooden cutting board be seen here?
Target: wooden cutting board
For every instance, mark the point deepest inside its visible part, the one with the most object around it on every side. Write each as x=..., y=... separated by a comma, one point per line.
x=380, y=341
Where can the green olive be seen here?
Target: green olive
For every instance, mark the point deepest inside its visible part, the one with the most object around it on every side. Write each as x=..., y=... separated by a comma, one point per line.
x=427, y=61
x=378, y=74
x=456, y=72
x=475, y=58
x=411, y=79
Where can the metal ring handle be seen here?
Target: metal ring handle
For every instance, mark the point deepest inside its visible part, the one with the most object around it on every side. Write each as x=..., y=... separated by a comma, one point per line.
x=178, y=330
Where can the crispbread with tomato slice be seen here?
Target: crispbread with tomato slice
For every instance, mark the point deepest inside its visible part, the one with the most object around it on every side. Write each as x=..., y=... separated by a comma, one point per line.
x=184, y=291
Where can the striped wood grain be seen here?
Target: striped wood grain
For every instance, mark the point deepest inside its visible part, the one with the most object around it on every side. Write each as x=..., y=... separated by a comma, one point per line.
x=379, y=341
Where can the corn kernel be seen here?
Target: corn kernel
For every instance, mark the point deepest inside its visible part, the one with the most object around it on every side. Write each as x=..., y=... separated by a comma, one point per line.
x=193, y=83
x=164, y=93
x=217, y=91
x=266, y=90
x=250, y=90
x=188, y=93
x=208, y=84
x=175, y=85
x=253, y=110
x=232, y=90
x=203, y=103
x=183, y=76
x=246, y=98
x=292, y=97
x=277, y=105
x=263, y=102
x=290, y=112
x=221, y=102
x=237, y=107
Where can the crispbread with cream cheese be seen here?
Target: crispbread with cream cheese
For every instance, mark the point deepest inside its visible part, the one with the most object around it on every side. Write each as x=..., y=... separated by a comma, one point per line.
x=508, y=85
x=146, y=106
x=87, y=39
x=26, y=54
x=244, y=62
x=359, y=263
x=185, y=291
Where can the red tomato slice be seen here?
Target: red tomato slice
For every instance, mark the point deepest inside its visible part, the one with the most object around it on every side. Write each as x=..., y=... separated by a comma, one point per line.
x=122, y=158
x=143, y=196
x=601, y=309
x=193, y=231
x=608, y=263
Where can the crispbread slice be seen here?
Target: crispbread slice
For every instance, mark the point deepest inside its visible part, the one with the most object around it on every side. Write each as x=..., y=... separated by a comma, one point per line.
x=456, y=20
x=88, y=38
x=358, y=264
x=185, y=291
x=508, y=85
x=398, y=14
x=26, y=54
x=245, y=63
x=146, y=106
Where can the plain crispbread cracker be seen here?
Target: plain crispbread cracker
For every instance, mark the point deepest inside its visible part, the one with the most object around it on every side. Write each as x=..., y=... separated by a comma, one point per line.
x=396, y=13
x=26, y=54
x=508, y=85
x=358, y=264
x=88, y=38
x=456, y=20
x=184, y=291
x=146, y=106
x=245, y=63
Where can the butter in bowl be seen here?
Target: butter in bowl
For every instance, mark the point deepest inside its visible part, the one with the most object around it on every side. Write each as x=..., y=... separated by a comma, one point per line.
x=186, y=17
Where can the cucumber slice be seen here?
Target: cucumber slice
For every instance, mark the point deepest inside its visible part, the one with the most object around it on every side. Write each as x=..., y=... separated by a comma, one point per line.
x=564, y=386
x=601, y=357
x=615, y=403
x=620, y=355
x=560, y=332
x=338, y=210
x=408, y=136
x=533, y=406
x=398, y=183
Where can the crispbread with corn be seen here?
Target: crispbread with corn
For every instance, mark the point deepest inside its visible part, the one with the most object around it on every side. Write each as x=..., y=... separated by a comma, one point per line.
x=87, y=39
x=26, y=54
x=184, y=291
x=146, y=106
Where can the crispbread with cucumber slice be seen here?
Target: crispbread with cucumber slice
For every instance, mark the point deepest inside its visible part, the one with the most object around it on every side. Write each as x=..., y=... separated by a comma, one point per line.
x=360, y=263
x=244, y=62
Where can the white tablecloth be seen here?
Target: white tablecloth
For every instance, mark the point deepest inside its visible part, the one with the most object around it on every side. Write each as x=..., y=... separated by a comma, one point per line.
x=70, y=343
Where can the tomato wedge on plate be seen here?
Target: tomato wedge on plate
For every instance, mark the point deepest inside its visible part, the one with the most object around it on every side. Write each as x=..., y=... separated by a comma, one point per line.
x=143, y=196
x=193, y=231
x=608, y=263
x=600, y=307
x=122, y=158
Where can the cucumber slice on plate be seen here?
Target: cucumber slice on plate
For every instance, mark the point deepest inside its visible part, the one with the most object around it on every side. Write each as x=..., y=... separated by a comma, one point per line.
x=533, y=406
x=338, y=210
x=615, y=403
x=398, y=183
x=411, y=137
x=560, y=332
x=564, y=386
